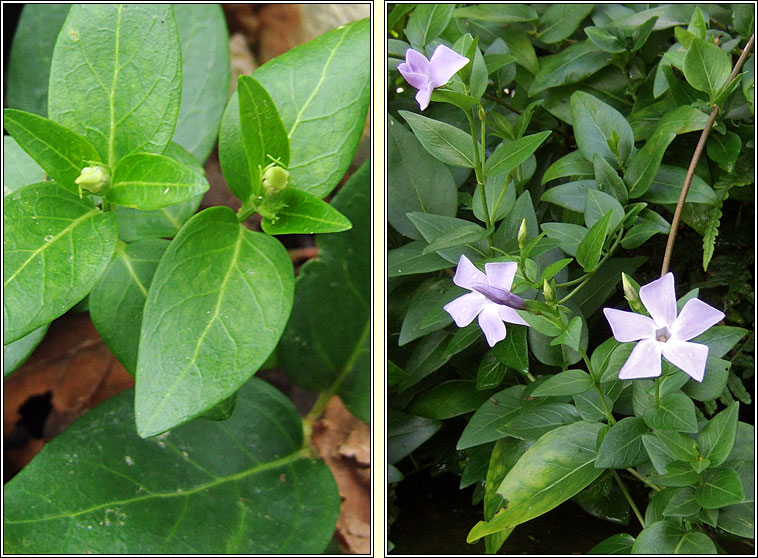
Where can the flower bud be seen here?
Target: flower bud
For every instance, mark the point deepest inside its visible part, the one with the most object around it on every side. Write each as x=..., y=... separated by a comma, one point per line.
x=522, y=235
x=498, y=295
x=549, y=292
x=94, y=179
x=631, y=293
x=275, y=179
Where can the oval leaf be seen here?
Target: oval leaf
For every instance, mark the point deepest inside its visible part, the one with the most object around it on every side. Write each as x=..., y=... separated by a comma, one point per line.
x=304, y=213
x=446, y=142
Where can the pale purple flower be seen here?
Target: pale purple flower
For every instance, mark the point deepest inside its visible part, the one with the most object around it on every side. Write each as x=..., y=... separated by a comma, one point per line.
x=425, y=74
x=490, y=298
x=664, y=333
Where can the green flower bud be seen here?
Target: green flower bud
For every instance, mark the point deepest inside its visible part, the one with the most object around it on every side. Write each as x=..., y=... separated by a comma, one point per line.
x=549, y=292
x=275, y=179
x=94, y=179
x=522, y=235
x=631, y=293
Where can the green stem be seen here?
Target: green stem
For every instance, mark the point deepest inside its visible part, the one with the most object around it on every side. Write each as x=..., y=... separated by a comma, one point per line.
x=596, y=385
x=591, y=272
x=479, y=171
x=244, y=212
x=657, y=391
x=628, y=497
x=634, y=473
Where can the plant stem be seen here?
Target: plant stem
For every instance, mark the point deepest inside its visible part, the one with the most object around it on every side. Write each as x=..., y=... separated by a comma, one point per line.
x=657, y=391
x=587, y=276
x=628, y=497
x=634, y=473
x=693, y=164
x=596, y=385
x=479, y=169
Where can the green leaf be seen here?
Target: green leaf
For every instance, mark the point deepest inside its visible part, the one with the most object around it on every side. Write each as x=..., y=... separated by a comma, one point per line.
x=608, y=180
x=604, y=281
x=706, y=67
x=714, y=380
x=717, y=438
x=572, y=335
x=427, y=22
x=622, y=445
x=569, y=235
x=508, y=155
x=322, y=90
x=56, y=248
x=478, y=80
x=724, y=150
x=16, y=352
x=117, y=301
x=490, y=373
x=609, y=39
x=682, y=504
x=428, y=299
x=448, y=399
x=571, y=195
x=416, y=181
x=512, y=351
x=327, y=341
x=668, y=15
x=521, y=47
x=429, y=355
x=533, y=423
x=29, y=62
x=572, y=164
x=119, y=107
x=467, y=234
x=558, y=466
x=486, y=424
x=303, y=213
x=594, y=124
x=676, y=411
x=444, y=141
x=615, y=544
x=410, y=259
x=597, y=205
x=589, y=250
x=571, y=65
x=476, y=465
x=147, y=181
x=501, y=13
x=680, y=446
x=501, y=196
x=721, y=487
x=677, y=473
x=432, y=226
x=560, y=20
x=720, y=339
x=407, y=432
x=276, y=488
x=59, y=151
x=205, y=76
x=568, y=382
x=605, y=500
x=667, y=186
x=18, y=168
x=667, y=537
x=232, y=312
x=739, y=519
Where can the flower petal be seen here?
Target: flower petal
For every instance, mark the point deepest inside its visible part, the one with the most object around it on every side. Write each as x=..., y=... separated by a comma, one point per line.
x=695, y=318
x=491, y=324
x=416, y=61
x=659, y=298
x=510, y=315
x=467, y=273
x=644, y=362
x=416, y=79
x=628, y=326
x=443, y=65
x=690, y=357
x=465, y=308
x=423, y=96
x=501, y=274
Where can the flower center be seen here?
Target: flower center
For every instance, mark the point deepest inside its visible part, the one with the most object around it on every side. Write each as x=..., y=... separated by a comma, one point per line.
x=662, y=334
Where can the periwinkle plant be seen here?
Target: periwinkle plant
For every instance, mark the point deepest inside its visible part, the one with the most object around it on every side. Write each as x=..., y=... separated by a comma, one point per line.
x=199, y=458
x=541, y=169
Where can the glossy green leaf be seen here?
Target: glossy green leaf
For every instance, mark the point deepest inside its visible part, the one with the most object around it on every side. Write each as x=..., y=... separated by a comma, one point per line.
x=30, y=56
x=56, y=248
x=304, y=213
x=432, y=226
x=594, y=124
x=724, y=150
x=720, y=339
x=668, y=537
x=406, y=432
x=512, y=351
x=676, y=411
x=497, y=13
x=532, y=423
x=720, y=487
x=59, y=151
x=676, y=473
x=682, y=504
x=560, y=20
x=615, y=544
x=118, y=107
x=603, y=499
x=19, y=169
x=568, y=235
x=622, y=445
x=597, y=205
x=232, y=311
x=706, y=67
x=610, y=39
x=466, y=234
x=495, y=413
x=430, y=295
x=739, y=519
x=416, y=181
x=604, y=281
x=429, y=355
x=667, y=186
x=572, y=164
x=717, y=438
x=326, y=343
x=410, y=259
x=571, y=65
x=448, y=399
x=477, y=462
x=265, y=490
x=147, y=181
x=571, y=195
x=508, y=155
x=608, y=180
x=571, y=336
x=568, y=382
x=427, y=22
x=501, y=195
x=714, y=380
x=490, y=373
x=322, y=91
x=117, y=301
x=589, y=250
x=555, y=468
x=16, y=352
x=444, y=141
x=462, y=339
x=681, y=446
x=263, y=135
x=205, y=76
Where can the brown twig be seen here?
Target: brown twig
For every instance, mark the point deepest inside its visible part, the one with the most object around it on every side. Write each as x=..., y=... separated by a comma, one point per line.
x=693, y=164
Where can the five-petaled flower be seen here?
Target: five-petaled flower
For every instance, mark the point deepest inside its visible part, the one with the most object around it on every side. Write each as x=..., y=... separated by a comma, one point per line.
x=425, y=74
x=663, y=333
x=490, y=298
